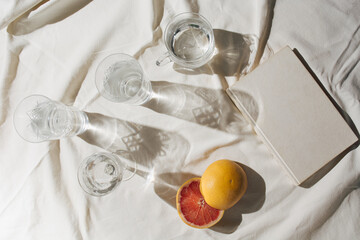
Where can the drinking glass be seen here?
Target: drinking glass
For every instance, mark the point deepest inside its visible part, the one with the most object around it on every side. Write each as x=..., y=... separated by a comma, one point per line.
x=189, y=40
x=120, y=78
x=38, y=118
x=100, y=173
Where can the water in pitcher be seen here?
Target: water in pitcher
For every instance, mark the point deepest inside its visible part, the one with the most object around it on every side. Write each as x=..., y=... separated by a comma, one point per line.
x=191, y=42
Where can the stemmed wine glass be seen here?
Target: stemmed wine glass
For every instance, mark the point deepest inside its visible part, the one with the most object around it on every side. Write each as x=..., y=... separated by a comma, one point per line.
x=100, y=173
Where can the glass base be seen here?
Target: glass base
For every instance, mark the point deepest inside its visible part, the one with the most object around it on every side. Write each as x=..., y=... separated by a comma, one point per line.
x=101, y=173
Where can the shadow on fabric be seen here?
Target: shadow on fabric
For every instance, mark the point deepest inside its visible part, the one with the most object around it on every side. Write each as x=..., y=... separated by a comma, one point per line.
x=151, y=148
x=252, y=201
x=166, y=185
x=312, y=180
x=265, y=33
x=235, y=54
x=204, y=106
x=46, y=12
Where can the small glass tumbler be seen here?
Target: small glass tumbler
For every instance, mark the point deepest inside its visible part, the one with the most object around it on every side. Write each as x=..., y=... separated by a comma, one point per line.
x=120, y=78
x=38, y=118
x=100, y=173
x=189, y=40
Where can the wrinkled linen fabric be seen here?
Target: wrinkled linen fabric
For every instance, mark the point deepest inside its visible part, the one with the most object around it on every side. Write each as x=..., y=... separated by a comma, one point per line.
x=53, y=48
x=10, y=10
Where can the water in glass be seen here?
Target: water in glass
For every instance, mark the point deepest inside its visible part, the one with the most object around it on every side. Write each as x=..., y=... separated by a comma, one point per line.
x=49, y=120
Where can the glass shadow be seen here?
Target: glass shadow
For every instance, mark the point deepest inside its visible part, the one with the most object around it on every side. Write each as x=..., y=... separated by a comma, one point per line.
x=235, y=55
x=149, y=147
x=205, y=106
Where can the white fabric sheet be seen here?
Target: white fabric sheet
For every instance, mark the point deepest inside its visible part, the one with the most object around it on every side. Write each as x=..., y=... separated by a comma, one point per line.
x=53, y=48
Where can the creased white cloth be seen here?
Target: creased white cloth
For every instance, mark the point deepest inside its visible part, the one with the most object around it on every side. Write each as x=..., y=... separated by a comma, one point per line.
x=10, y=10
x=53, y=48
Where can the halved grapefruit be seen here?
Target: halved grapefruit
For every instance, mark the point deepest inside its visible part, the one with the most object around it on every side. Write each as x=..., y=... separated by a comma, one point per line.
x=193, y=209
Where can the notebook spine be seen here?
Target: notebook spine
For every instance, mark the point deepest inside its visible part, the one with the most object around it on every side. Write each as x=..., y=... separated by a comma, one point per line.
x=261, y=134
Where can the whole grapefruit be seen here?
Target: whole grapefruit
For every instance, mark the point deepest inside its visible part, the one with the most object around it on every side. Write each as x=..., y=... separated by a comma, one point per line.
x=223, y=184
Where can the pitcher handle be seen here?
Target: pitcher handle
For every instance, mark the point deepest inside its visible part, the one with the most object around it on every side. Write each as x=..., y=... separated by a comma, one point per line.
x=163, y=60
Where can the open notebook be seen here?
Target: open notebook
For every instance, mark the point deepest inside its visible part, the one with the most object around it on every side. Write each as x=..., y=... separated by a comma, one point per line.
x=292, y=114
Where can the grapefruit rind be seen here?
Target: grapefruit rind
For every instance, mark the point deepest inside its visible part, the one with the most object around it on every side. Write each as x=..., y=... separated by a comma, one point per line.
x=183, y=217
x=223, y=184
